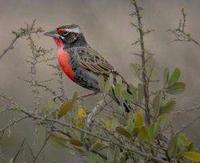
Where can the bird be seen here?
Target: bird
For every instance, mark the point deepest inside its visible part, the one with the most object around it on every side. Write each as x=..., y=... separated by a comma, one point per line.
x=81, y=63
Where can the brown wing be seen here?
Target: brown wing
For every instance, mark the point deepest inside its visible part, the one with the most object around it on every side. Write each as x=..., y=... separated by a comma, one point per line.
x=91, y=60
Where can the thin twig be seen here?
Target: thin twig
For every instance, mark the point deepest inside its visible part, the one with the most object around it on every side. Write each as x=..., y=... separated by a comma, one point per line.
x=42, y=148
x=12, y=123
x=18, y=151
x=10, y=47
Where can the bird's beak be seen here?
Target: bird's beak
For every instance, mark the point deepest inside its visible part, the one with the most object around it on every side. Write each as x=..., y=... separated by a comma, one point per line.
x=53, y=33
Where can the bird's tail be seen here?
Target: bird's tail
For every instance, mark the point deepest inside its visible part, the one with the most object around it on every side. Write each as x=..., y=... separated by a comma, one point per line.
x=121, y=101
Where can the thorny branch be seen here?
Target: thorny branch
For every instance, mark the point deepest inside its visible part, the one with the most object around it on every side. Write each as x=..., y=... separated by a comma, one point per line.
x=47, y=121
x=143, y=62
x=131, y=149
x=180, y=34
x=22, y=32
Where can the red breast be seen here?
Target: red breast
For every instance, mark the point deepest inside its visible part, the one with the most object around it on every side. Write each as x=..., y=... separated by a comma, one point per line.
x=64, y=59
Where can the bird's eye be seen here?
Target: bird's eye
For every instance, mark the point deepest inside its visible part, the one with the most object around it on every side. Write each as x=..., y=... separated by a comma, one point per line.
x=65, y=33
x=62, y=32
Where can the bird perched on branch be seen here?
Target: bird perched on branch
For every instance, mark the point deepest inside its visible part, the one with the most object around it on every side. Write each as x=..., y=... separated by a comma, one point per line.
x=81, y=63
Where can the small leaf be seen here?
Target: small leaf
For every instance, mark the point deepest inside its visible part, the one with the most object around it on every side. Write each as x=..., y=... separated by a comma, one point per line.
x=136, y=69
x=178, y=144
x=123, y=131
x=172, y=148
x=67, y=106
x=130, y=125
x=132, y=89
x=139, y=120
x=167, y=107
x=81, y=112
x=93, y=157
x=117, y=90
x=75, y=142
x=191, y=155
x=152, y=130
x=115, y=123
x=58, y=138
x=174, y=77
x=176, y=88
x=108, y=124
x=166, y=76
x=127, y=97
x=98, y=145
x=162, y=121
x=156, y=104
x=143, y=134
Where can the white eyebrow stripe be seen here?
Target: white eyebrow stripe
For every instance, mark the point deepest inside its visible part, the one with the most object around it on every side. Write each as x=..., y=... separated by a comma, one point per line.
x=75, y=30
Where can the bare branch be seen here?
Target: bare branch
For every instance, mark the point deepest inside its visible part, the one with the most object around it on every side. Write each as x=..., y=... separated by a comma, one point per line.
x=22, y=32
x=18, y=151
x=42, y=148
x=180, y=34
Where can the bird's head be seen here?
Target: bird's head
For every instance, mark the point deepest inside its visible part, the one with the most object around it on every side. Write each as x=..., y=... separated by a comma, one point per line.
x=67, y=36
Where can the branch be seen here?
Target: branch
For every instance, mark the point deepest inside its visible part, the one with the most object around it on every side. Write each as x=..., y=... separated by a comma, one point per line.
x=12, y=123
x=130, y=149
x=180, y=34
x=143, y=63
x=22, y=32
x=42, y=148
x=19, y=150
x=96, y=110
x=10, y=47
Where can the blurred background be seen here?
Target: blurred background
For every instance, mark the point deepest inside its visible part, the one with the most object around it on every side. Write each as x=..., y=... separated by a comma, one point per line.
x=106, y=25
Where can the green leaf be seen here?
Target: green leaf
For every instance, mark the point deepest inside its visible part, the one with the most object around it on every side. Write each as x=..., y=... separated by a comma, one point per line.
x=130, y=125
x=127, y=97
x=93, y=157
x=163, y=121
x=75, y=142
x=156, y=104
x=143, y=134
x=49, y=107
x=133, y=90
x=97, y=146
x=167, y=107
x=166, y=76
x=136, y=68
x=172, y=148
x=191, y=155
x=178, y=144
x=67, y=106
x=151, y=67
x=123, y=131
x=174, y=77
x=118, y=90
x=115, y=123
x=152, y=130
x=139, y=120
x=58, y=139
x=108, y=124
x=176, y=88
